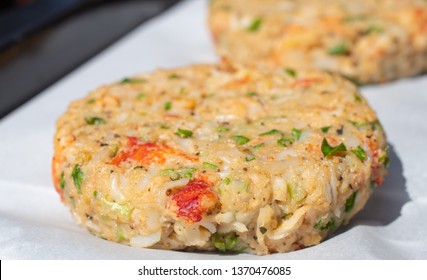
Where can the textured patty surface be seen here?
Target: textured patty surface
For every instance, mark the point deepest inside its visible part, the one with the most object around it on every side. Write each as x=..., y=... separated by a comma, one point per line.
x=368, y=41
x=212, y=158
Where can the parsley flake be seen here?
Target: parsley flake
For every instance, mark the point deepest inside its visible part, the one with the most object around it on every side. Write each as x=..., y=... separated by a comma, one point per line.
x=322, y=226
x=360, y=153
x=183, y=133
x=296, y=133
x=340, y=49
x=255, y=25
x=224, y=242
x=325, y=129
x=349, y=204
x=241, y=140
x=62, y=181
x=328, y=150
x=94, y=120
x=271, y=132
x=291, y=72
x=222, y=129
x=282, y=142
x=210, y=166
x=78, y=176
x=132, y=81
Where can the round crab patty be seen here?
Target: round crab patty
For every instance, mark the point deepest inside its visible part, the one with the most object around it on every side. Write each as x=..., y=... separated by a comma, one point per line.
x=212, y=158
x=367, y=41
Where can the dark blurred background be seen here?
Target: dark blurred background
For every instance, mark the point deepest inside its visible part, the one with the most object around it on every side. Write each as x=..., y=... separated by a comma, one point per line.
x=43, y=40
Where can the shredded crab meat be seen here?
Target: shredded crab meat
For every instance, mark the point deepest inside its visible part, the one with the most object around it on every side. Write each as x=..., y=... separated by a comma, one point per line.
x=144, y=241
x=288, y=225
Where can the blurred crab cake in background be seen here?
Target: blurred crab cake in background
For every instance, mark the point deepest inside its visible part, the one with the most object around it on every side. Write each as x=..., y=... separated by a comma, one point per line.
x=367, y=41
x=212, y=158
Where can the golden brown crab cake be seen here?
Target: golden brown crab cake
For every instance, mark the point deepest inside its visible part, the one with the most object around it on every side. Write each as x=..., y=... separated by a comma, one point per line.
x=211, y=158
x=367, y=41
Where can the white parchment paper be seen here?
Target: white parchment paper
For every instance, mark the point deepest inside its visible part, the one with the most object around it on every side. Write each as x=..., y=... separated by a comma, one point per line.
x=35, y=225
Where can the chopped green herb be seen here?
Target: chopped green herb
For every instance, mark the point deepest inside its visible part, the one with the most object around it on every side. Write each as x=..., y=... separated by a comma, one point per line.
x=234, y=186
x=227, y=181
x=360, y=153
x=183, y=172
x=78, y=176
x=358, y=124
x=132, y=81
x=174, y=76
x=250, y=158
x=241, y=140
x=91, y=101
x=224, y=242
x=296, y=192
x=122, y=211
x=173, y=175
x=385, y=159
x=242, y=184
x=340, y=49
x=357, y=98
x=222, y=129
x=210, y=166
x=373, y=124
x=95, y=194
x=296, y=133
x=115, y=150
x=186, y=172
x=263, y=230
x=168, y=106
x=373, y=29
x=387, y=148
x=353, y=80
x=349, y=203
x=329, y=225
x=255, y=25
x=257, y=146
x=182, y=90
x=252, y=94
x=140, y=95
x=271, y=132
x=167, y=171
x=328, y=150
x=325, y=129
x=162, y=126
x=94, y=120
x=62, y=181
x=282, y=142
x=121, y=235
x=183, y=133
x=291, y=72
x=287, y=215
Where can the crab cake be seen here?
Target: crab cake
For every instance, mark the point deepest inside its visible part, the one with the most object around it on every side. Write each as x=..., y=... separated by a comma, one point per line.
x=367, y=41
x=228, y=159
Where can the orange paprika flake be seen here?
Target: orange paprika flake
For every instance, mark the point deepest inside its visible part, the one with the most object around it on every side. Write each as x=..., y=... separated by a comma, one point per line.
x=305, y=82
x=145, y=153
x=195, y=199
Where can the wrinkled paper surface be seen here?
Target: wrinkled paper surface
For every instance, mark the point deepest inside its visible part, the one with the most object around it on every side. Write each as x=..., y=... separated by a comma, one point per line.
x=35, y=225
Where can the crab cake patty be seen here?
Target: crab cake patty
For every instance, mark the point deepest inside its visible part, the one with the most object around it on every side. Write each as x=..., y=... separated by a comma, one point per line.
x=367, y=41
x=227, y=159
